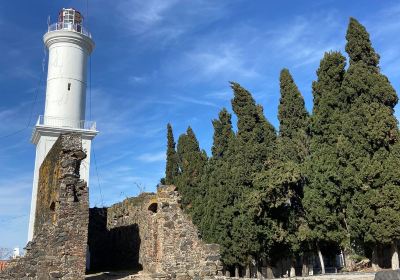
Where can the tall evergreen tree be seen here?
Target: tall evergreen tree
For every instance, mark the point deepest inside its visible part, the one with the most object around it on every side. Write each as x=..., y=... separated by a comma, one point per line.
x=293, y=148
x=324, y=195
x=172, y=167
x=216, y=220
x=372, y=134
x=223, y=134
x=253, y=150
x=292, y=114
x=191, y=165
x=282, y=181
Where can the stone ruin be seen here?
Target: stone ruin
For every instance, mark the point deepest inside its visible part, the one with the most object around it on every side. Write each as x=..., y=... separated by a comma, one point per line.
x=58, y=249
x=150, y=232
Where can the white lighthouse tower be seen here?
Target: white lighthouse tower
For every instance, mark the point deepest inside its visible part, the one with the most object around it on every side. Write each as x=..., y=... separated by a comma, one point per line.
x=69, y=45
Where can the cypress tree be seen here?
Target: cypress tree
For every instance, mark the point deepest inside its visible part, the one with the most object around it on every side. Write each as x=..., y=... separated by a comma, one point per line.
x=191, y=165
x=253, y=150
x=371, y=131
x=282, y=181
x=216, y=221
x=223, y=134
x=323, y=193
x=293, y=148
x=292, y=114
x=172, y=168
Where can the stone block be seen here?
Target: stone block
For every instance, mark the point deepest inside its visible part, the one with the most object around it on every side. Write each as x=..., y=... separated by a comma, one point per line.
x=388, y=275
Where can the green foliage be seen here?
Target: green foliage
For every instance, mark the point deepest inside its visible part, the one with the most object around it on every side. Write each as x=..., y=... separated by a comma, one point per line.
x=328, y=103
x=326, y=181
x=281, y=182
x=191, y=165
x=215, y=215
x=254, y=149
x=323, y=195
x=172, y=168
x=359, y=47
x=292, y=114
x=223, y=134
x=370, y=128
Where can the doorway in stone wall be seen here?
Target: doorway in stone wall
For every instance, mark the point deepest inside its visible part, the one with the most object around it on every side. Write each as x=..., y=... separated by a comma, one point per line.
x=112, y=250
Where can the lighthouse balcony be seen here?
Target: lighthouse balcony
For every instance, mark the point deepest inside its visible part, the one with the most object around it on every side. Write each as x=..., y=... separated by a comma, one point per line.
x=66, y=123
x=68, y=26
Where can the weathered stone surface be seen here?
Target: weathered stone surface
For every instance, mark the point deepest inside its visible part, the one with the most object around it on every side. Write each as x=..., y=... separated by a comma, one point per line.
x=388, y=275
x=165, y=239
x=58, y=248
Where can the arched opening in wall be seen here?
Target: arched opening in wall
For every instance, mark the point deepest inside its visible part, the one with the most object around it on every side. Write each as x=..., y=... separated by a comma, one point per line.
x=53, y=212
x=153, y=207
x=53, y=206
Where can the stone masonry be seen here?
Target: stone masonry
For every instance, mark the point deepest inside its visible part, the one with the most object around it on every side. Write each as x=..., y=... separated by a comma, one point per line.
x=157, y=236
x=58, y=248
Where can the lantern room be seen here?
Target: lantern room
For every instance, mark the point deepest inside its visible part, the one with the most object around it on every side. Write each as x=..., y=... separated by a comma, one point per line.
x=70, y=16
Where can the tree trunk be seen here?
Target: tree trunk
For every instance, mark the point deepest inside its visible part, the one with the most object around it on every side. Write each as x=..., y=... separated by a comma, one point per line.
x=292, y=272
x=304, y=270
x=374, y=261
x=270, y=273
x=344, y=256
x=321, y=260
x=227, y=273
x=258, y=269
x=348, y=262
x=236, y=271
x=247, y=275
x=395, y=256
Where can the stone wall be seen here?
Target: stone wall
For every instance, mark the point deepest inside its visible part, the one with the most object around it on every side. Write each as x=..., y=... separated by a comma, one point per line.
x=58, y=248
x=153, y=233
x=3, y=265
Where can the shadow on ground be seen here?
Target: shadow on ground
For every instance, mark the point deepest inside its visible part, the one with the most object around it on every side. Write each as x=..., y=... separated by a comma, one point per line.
x=110, y=275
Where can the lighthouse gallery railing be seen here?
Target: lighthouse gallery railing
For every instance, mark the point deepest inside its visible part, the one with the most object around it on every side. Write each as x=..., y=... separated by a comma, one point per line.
x=66, y=123
x=70, y=27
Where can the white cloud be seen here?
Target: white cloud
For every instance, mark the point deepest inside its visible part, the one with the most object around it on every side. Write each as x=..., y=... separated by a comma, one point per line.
x=197, y=101
x=143, y=15
x=222, y=94
x=138, y=79
x=220, y=59
x=161, y=21
x=152, y=157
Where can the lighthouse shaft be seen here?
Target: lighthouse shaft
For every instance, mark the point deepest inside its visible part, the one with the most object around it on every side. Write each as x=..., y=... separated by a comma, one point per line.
x=69, y=46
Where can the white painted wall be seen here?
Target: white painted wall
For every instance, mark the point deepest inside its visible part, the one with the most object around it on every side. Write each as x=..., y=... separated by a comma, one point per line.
x=66, y=78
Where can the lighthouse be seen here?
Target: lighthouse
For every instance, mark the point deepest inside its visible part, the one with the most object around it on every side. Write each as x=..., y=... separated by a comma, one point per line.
x=69, y=46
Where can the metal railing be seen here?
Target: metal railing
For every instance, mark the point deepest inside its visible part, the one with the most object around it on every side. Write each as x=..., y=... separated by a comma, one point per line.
x=66, y=123
x=70, y=27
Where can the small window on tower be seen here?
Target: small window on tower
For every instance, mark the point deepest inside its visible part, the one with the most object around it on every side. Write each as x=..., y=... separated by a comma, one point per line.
x=69, y=86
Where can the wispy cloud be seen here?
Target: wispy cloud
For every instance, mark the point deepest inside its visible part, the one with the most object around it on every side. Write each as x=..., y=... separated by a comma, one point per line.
x=143, y=15
x=197, y=101
x=221, y=94
x=138, y=79
x=220, y=59
x=166, y=20
x=152, y=157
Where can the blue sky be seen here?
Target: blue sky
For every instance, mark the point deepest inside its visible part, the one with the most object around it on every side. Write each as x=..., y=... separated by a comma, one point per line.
x=160, y=61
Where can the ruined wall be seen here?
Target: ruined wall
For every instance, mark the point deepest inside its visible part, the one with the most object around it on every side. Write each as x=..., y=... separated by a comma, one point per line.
x=58, y=248
x=3, y=265
x=157, y=236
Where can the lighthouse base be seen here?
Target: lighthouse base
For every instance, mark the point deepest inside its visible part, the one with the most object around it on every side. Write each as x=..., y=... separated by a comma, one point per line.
x=44, y=137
